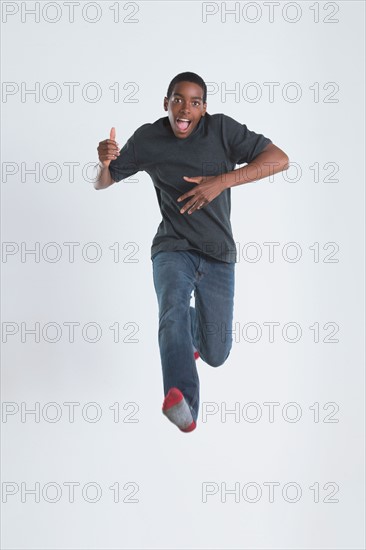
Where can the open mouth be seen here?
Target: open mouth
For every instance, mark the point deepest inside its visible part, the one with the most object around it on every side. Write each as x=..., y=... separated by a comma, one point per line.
x=183, y=124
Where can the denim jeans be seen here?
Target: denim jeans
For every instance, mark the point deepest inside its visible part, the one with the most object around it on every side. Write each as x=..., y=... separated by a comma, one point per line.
x=207, y=326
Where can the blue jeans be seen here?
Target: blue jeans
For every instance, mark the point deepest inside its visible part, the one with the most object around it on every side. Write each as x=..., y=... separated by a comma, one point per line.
x=207, y=326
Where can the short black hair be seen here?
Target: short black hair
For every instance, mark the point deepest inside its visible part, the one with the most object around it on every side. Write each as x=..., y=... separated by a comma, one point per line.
x=188, y=77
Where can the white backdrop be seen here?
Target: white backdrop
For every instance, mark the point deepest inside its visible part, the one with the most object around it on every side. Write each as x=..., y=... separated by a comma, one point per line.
x=96, y=465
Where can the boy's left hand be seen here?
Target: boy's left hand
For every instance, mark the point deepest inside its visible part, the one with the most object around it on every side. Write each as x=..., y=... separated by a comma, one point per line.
x=209, y=187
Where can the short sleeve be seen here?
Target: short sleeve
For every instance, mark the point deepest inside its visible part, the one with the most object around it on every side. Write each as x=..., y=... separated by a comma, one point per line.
x=126, y=164
x=243, y=144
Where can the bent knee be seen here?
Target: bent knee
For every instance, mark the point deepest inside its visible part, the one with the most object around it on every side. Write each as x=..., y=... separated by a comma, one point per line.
x=217, y=361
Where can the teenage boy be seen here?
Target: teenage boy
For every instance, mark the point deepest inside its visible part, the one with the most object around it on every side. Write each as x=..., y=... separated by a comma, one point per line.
x=190, y=156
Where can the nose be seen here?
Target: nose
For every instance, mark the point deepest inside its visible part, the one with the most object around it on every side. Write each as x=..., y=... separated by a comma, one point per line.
x=185, y=107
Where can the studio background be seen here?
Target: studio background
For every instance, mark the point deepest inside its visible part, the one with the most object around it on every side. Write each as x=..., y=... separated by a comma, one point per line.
x=174, y=488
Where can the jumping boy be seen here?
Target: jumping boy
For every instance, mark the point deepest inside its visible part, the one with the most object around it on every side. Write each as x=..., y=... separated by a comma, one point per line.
x=190, y=156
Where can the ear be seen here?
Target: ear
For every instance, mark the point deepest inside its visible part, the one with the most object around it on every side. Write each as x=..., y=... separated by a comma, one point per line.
x=165, y=105
x=204, y=109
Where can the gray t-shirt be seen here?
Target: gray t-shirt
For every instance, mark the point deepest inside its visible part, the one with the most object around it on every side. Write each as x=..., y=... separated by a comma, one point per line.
x=216, y=146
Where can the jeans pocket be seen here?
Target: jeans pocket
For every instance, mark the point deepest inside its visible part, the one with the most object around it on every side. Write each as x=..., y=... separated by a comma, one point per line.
x=154, y=255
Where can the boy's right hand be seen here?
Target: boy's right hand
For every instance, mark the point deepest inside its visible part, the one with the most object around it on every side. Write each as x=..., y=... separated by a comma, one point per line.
x=108, y=149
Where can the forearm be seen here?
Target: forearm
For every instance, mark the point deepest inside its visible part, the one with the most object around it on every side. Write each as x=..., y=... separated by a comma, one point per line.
x=103, y=178
x=271, y=161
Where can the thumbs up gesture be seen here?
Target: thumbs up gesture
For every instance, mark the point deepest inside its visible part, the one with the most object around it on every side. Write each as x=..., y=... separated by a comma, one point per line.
x=108, y=149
